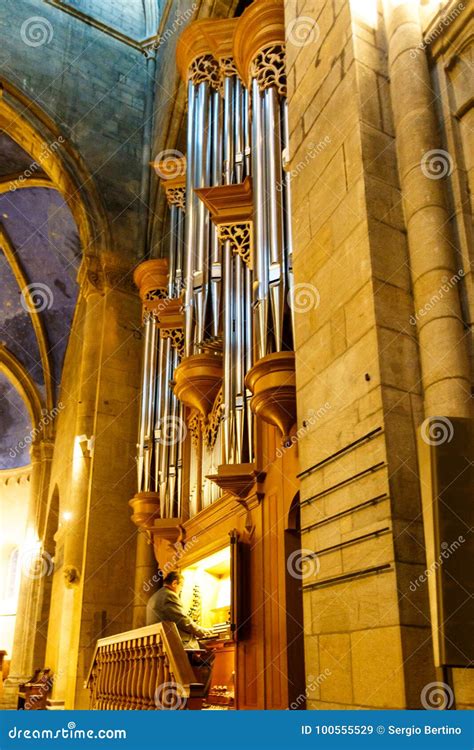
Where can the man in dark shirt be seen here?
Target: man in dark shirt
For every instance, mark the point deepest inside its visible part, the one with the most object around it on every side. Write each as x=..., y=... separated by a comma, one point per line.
x=165, y=605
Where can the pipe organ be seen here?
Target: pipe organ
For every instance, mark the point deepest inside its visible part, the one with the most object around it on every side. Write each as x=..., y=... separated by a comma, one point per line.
x=218, y=328
x=218, y=387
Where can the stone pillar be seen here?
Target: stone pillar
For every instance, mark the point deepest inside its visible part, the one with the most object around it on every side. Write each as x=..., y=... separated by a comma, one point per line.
x=146, y=578
x=36, y=564
x=77, y=502
x=442, y=337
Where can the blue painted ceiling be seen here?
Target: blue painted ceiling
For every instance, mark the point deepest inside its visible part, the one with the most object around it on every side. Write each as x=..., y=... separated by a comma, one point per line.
x=44, y=237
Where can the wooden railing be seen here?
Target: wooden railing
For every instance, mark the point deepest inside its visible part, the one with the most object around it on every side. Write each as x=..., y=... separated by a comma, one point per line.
x=145, y=669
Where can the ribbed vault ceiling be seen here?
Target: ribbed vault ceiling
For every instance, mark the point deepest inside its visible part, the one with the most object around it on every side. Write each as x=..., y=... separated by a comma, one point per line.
x=38, y=267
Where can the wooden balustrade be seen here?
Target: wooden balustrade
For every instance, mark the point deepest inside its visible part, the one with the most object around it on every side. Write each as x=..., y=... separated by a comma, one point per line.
x=145, y=669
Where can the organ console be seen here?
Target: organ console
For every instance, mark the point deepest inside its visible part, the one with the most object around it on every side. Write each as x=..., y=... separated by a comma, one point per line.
x=207, y=597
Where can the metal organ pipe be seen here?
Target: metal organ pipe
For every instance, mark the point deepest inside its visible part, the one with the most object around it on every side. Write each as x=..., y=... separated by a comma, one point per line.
x=190, y=222
x=201, y=179
x=261, y=260
x=143, y=402
x=274, y=213
x=216, y=252
x=287, y=214
x=228, y=389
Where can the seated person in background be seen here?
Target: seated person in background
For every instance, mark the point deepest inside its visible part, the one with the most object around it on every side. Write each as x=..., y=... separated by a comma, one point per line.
x=165, y=605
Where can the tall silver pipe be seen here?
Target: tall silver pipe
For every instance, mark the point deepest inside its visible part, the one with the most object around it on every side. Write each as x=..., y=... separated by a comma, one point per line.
x=216, y=179
x=145, y=380
x=228, y=388
x=247, y=134
x=179, y=465
x=150, y=407
x=159, y=406
x=201, y=179
x=164, y=430
x=175, y=434
x=274, y=175
x=261, y=265
x=190, y=224
x=248, y=349
x=238, y=131
x=287, y=213
x=173, y=248
x=238, y=351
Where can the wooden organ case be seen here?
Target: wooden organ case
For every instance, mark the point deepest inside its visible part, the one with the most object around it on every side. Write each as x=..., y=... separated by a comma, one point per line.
x=217, y=452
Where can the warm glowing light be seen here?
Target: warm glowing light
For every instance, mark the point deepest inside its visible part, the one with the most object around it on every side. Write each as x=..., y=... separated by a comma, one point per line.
x=209, y=577
x=67, y=515
x=365, y=11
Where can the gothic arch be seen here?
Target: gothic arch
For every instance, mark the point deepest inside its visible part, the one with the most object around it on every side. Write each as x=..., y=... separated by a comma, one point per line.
x=24, y=384
x=38, y=135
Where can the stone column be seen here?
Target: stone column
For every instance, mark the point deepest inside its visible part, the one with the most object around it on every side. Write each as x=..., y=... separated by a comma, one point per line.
x=146, y=578
x=36, y=564
x=433, y=261
x=77, y=503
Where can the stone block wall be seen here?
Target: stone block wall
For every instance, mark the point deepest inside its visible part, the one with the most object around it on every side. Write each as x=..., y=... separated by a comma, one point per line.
x=357, y=368
x=94, y=88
